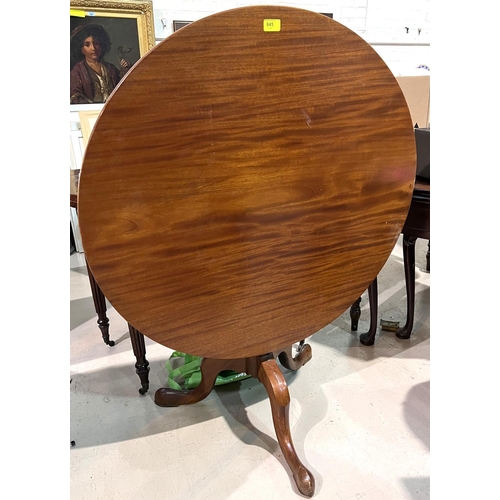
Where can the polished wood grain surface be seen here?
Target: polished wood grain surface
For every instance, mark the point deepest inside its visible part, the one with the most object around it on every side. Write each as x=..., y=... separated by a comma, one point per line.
x=242, y=188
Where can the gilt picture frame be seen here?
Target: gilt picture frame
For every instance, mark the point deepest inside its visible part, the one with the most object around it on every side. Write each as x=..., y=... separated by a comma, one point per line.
x=87, y=121
x=130, y=26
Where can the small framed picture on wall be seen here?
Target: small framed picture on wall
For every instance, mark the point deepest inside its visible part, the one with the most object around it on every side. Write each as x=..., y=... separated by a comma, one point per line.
x=180, y=24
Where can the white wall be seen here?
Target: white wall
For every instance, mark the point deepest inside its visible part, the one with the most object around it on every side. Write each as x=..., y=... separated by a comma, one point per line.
x=399, y=30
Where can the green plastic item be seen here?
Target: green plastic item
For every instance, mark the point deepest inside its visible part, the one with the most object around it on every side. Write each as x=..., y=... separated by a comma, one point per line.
x=184, y=372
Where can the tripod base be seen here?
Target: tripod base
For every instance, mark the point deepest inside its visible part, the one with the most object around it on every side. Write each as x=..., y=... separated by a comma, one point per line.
x=266, y=370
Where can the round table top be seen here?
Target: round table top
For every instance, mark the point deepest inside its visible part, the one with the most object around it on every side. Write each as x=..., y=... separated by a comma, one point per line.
x=246, y=181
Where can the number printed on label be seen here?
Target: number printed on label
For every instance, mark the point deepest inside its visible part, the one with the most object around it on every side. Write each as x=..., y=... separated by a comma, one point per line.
x=272, y=24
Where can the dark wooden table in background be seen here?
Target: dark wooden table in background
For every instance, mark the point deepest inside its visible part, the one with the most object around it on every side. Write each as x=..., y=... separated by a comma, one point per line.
x=136, y=337
x=417, y=225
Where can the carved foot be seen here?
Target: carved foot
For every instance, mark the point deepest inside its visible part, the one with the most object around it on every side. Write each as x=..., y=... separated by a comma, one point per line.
x=142, y=364
x=404, y=332
x=367, y=338
x=303, y=355
x=143, y=372
x=210, y=368
x=100, y=308
x=271, y=377
x=104, y=327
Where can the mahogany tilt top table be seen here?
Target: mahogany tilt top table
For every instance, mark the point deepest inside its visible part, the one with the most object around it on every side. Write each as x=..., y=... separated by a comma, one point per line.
x=233, y=185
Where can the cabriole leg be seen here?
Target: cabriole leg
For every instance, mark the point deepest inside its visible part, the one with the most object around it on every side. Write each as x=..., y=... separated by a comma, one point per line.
x=273, y=380
x=368, y=338
x=409, y=263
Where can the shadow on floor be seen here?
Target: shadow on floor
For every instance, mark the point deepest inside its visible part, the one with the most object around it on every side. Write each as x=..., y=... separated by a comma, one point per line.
x=417, y=412
x=97, y=396
x=104, y=411
x=81, y=311
x=418, y=487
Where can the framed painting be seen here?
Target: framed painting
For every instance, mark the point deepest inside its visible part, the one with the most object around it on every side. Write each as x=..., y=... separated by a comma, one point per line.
x=87, y=122
x=107, y=37
x=180, y=24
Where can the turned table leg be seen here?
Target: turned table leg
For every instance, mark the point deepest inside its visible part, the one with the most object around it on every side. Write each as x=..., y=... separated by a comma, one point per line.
x=409, y=265
x=100, y=308
x=142, y=364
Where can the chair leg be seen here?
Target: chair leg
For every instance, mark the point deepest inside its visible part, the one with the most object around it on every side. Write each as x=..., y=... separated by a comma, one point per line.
x=355, y=313
x=142, y=364
x=100, y=308
x=409, y=264
x=368, y=338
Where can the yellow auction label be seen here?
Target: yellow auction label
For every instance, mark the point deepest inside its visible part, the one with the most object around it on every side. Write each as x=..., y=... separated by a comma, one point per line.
x=272, y=24
x=76, y=13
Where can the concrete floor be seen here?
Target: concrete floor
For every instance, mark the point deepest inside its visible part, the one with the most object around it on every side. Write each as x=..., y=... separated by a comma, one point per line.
x=359, y=415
